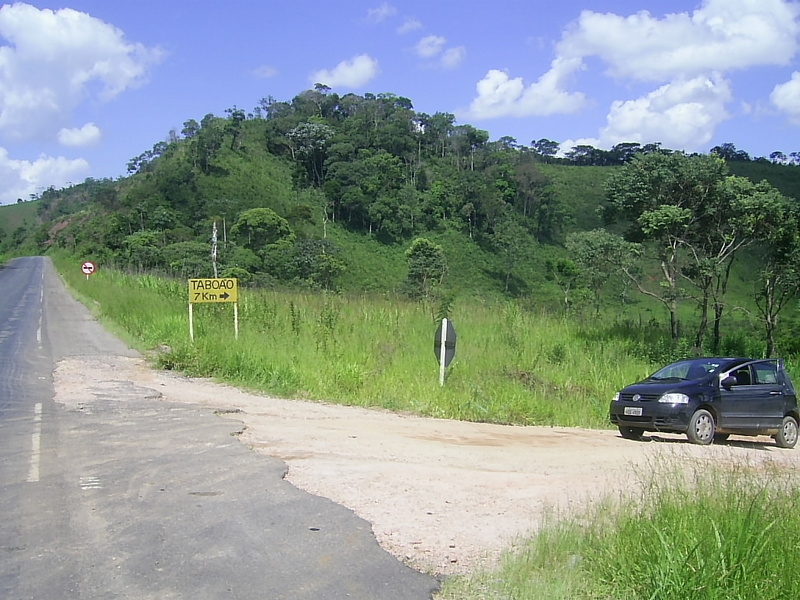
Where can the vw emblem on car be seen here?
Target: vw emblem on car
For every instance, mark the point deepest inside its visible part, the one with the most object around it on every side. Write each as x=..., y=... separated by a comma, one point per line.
x=637, y=397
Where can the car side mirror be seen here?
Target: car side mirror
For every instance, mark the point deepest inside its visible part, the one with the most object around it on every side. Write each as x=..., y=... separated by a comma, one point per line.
x=728, y=382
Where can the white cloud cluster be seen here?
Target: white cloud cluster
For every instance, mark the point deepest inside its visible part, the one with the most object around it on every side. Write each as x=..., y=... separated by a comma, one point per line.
x=21, y=178
x=409, y=25
x=54, y=61
x=353, y=73
x=88, y=135
x=380, y=14
x=265, y=72
x=786, y=97
x=433, y=47
x=688, y=55
x=679, y=114
x=501, y=96
x=50, y=64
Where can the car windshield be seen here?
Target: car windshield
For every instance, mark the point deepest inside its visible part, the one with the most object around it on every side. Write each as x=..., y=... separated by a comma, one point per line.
x=687, y=370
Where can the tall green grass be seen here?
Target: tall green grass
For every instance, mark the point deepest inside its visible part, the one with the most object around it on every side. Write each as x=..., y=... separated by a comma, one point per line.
x=719, y=532
x=512, y=365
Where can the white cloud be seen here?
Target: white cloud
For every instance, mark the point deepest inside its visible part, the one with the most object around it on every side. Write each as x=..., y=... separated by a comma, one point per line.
x=353, y=73
x=722, y=35
x=433, y=47
x=452, y=57
x=501, y=96
x=54, y=60
x=87, y=135
x=409, y=25
x=682, y=114
x=786, y=97
x=687, y=54
x=265, y=72
x=430, y=46
x=380, y=14
x=21, y=178
x=568, y=145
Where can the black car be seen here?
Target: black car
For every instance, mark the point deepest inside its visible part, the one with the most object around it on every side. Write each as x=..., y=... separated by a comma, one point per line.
x=710, y=398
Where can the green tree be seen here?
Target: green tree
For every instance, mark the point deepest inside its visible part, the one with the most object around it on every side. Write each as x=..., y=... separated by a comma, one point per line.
x=426, y=268
x=258, y=229
x=308, y=145
x=141, y=249
x=545, y=149
x=662, y=198
x=729, y=221
x=601, y=257
x=509, y=238
x=566, y=275
x=779, y=278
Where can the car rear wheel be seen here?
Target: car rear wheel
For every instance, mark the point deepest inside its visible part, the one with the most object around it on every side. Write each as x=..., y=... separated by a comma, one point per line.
x=701, y=427
x=631, y=433
x=787, y=434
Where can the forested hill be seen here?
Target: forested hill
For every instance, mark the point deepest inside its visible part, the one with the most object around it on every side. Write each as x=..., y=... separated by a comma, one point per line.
x=329, y=191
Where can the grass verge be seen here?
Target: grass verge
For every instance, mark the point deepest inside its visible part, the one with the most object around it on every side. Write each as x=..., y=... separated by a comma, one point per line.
x=717, y=532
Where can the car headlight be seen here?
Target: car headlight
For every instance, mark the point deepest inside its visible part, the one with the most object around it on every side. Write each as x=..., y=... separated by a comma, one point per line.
x=674, y=398
x=616, y=397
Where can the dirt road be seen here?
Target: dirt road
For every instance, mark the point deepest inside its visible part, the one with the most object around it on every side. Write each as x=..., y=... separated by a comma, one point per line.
x=444, y=496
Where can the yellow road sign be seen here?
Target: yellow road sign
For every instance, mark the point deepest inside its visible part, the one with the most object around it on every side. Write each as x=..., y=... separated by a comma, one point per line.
x=213, y=290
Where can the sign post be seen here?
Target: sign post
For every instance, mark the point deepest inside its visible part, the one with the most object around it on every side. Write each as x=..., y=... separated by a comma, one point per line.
x=444, y=346
x=206, y=291
x=88, y=268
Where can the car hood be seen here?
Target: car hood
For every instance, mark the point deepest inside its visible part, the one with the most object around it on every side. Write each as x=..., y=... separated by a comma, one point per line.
x=650, y=387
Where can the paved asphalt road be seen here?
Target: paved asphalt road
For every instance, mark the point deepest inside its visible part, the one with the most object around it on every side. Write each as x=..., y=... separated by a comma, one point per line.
x=127, y=496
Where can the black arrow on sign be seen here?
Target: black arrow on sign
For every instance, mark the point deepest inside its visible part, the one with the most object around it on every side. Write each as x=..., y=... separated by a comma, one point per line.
x=224, y=296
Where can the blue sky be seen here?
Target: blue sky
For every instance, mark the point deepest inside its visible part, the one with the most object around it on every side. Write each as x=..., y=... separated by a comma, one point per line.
x=85, y=85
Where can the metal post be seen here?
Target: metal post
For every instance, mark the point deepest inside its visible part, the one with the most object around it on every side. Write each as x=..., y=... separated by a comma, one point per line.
x=442, y=352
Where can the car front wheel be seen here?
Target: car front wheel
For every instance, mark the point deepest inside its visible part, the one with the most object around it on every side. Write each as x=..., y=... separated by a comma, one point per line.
x=701, y=428
x=631, y=433
x=787, y=434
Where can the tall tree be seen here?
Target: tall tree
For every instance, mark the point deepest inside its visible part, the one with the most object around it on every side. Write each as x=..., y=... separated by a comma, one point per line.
x=729, y=221
x=779, y=277
x=426, y=268
x=661, y=198
x=259, y=228
x=566, y=275
x=509, y=239
x=601, y=257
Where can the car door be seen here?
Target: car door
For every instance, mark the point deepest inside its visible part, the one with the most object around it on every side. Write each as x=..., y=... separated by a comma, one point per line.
x=769, y=391
x=737, y=403
x=756, y=400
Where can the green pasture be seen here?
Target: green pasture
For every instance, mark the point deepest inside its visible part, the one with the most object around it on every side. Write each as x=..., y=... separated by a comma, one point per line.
x=512, y=365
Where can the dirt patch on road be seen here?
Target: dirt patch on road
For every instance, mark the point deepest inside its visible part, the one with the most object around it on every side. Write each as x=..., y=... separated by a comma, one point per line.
x=444, y=496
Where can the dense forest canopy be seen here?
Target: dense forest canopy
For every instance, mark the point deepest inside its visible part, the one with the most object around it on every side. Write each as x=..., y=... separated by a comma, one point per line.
x=292, y=184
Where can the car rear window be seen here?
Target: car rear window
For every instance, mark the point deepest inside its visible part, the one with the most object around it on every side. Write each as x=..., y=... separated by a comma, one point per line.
x=766, y=372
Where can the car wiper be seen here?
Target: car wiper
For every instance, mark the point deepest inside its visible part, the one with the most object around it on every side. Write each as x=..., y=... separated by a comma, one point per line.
x=668, y=378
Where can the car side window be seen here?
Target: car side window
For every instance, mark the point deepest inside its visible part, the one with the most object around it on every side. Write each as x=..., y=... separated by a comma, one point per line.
x=742, y=376
x=766, y=373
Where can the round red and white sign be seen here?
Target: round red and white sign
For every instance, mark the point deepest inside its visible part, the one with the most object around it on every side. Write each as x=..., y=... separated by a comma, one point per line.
x=88, y=267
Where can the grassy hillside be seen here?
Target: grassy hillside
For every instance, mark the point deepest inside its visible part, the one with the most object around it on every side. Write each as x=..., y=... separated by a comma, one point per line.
x=18, y=225
x=580, y=189
x=13, y=216
x=786, y=178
